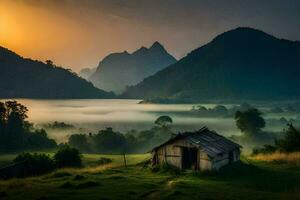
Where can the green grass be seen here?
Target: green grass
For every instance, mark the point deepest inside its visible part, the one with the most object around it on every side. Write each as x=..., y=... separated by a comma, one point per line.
x=254, y=180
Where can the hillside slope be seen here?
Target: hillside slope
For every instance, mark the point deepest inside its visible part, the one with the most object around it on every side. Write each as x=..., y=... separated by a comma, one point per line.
x=25, y=78
x=240, y=64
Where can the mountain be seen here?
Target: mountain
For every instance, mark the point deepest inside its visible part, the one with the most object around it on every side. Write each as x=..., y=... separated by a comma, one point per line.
x=25, y=78
x=118, y=70
x=241, y=64
x=86, y=72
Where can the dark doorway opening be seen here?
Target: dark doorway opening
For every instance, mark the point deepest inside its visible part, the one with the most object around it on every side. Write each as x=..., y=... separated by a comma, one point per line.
x=189, y=158
x=231, y=158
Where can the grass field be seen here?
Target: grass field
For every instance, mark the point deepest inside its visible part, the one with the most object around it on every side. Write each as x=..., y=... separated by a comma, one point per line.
x=253, y=179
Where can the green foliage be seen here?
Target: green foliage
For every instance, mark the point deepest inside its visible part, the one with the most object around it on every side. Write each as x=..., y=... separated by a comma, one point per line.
x=291, y=140
x=266, y=149
x=108, y=141
x=67, y=156
x=80, y=141
x=34, y=164
x=250, y=122
x=111, y=142
x=163, y=121
x=16, y=133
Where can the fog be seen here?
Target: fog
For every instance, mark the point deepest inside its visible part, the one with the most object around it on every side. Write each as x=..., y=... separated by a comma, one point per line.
x=125, y=115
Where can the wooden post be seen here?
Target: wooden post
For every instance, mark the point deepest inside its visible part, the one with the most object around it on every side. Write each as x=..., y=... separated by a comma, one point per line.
x=124, y=157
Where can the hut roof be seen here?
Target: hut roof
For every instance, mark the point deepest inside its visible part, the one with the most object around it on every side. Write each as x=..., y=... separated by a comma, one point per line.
x=207, y=140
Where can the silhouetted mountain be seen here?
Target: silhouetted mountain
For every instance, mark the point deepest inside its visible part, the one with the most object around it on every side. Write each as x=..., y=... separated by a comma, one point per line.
x=25, y=78
x=86, y=72
x=118, y=70
x=243, y=63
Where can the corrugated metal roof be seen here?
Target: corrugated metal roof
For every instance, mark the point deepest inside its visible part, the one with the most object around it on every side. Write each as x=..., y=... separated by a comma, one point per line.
x=207, y=140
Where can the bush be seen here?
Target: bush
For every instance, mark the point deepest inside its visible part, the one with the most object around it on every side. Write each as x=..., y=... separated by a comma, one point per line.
x=267, y=149
x=67, y=156
x=34, y=164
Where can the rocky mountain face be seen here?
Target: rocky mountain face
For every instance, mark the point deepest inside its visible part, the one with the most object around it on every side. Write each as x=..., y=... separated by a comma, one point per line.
x=118, y=70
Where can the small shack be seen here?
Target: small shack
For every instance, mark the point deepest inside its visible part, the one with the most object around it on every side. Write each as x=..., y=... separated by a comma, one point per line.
x=200, y=150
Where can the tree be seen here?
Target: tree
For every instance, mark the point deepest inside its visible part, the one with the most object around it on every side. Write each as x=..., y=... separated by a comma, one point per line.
x=16, y=115
x=250, y=122
x=16, y=132
x=163, y=121
x=67, y=156
x=79, y=141
x=291, y=140
x=108, y=141
x=49, y=62
x=2, y=123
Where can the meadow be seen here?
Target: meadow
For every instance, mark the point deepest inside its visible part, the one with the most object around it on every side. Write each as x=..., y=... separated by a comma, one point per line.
x=249, y=179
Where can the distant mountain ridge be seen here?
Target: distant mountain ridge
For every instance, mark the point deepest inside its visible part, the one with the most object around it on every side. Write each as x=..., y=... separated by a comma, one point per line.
x=118, y=70
x=243, y=63
x=25, y=78
x=86, y=72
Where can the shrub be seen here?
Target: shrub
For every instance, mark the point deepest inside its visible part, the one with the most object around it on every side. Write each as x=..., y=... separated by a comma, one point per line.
x=67, y=156
x=267, y=149
x=34, y=164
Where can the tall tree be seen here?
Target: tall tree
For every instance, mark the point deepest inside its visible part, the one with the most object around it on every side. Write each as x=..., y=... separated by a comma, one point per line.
x=250, y=122
x=16, y=114
x=2, y=123
x=291, y=140
x=163, y=121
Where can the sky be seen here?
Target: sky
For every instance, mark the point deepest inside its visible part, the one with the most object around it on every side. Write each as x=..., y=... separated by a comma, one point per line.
x=77, y=34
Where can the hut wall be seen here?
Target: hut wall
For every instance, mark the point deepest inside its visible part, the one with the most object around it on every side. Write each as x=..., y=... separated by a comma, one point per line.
x=220, y=160
x=205, y=162
x=223, y=159
x=172, y=153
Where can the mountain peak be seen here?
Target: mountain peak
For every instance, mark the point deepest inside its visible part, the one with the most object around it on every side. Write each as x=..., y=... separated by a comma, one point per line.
x=244, y=34
x=157, y=45
x=243, y=63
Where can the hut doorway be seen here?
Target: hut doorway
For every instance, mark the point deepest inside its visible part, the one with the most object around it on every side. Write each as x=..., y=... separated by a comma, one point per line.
x=189, y=158
x=231, y=158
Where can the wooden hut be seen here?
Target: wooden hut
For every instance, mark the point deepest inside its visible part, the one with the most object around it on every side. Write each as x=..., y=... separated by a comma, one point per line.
x=200, y=150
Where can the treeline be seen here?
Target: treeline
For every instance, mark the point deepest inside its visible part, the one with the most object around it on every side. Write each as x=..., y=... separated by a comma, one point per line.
x=112, y=142
x=290, y=142
x=219, y=110
x=16, y=133
x=251, y=124
x=223, y=111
